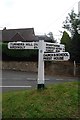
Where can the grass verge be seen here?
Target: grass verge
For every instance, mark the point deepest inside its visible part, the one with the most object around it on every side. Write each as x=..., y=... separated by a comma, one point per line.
x=56, y=101
x=0, y=104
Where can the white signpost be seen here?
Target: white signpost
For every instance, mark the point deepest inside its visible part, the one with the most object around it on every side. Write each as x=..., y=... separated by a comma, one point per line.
x=47, y=52
x=54, y=47
x=23, y=45
x=41, y=65
x=61, y=56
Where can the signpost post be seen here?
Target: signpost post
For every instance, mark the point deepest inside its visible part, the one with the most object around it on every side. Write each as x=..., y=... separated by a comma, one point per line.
x=41, y=65
x=47, y=52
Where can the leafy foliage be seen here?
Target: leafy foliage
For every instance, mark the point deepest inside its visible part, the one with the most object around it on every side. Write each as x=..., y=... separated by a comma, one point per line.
x=73, y=46
x=50, y=34
x=66, y=40
x=71, y=23
x=18, y=54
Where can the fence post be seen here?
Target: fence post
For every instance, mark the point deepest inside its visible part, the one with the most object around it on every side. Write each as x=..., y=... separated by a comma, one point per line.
x=74, y=68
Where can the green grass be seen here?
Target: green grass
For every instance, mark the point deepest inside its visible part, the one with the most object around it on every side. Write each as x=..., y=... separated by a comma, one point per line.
x=56, y=101
x=1, y=104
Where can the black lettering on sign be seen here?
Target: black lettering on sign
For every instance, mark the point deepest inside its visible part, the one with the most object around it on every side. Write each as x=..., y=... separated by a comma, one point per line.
x=17, y=46
x=35, y=45
x=58, y=58
x=57, y=50
x=29, y=44
x=56, y=45
x=49, y=45
x=47, y=56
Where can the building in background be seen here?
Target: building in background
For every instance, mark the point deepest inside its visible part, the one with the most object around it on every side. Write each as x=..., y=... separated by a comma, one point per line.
x=13, y=35
x=24, y=35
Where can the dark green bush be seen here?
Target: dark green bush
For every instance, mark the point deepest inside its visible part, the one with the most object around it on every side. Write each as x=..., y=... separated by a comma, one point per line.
x=19, y=54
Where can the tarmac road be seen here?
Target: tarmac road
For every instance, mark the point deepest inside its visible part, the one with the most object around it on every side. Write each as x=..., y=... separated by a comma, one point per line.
x=17, y=80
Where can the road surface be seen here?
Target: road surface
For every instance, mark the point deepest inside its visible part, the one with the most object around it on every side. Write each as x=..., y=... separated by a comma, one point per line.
x=17, y=80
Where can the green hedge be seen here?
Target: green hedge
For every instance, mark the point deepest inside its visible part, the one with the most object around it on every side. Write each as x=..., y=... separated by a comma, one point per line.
x=19, y=54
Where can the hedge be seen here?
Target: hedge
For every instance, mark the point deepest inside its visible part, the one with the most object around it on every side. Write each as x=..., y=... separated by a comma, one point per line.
x=18, y=54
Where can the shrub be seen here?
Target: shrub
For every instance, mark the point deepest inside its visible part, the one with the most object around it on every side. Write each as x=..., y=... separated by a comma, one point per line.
x=18, y=54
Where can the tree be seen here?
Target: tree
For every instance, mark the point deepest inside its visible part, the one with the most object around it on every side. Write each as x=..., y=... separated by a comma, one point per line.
x=66, y=40
x=50, y=34
x=75, y=48
x=71, y=24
